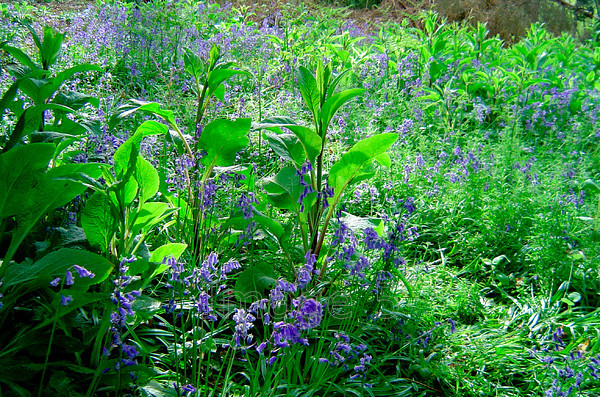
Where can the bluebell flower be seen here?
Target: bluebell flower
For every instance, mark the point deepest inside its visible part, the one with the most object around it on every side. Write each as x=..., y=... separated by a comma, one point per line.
x=188, y=389
x=83, y=272
x=309, y=313
x=65, y=300
x=68, y=278
x=55, y=282
x=243, y=323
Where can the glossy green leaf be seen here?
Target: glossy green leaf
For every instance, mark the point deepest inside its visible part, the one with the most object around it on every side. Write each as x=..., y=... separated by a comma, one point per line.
x=150, y=214
x=30, y=121
x=123, y=155
x=353, y=162
x=193, y=64
x=163, y=252
x=284, y=189
x=332, y=104
x=55, y=264
x=147, y=179
x=218, y=76
x=309, y=139
x=287, y=146
x=97, y=220
x=309, y=90
x=222, y=139
x=20, y=172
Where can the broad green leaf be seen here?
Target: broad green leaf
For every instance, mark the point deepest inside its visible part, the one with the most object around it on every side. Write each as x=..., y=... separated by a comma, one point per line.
x=123, y=154
x=309, y=139
x=164, y=251
x=288, y=147
x=20, y=172
x=30, y=121
x=362, y=154
x=160, y=255
x=358, y=224
x=20, y=56
x=7, y=101
x=55, y=188
x=97, y=220
x=49, y=89
x=309, y=90
x=75, y=100
x=55, y=264
x=150, y=214
x=222, y=139
x=193, y=64
x=331, y=105
x=284, y=189
x=50, y=46
x=218, y=76
x=254, y=281
x=135, y=106
x=147, y=178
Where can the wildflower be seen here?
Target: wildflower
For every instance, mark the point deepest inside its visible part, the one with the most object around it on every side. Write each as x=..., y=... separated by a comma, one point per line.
x=55, y=282
x=305, y=272
x=68, y=278
x=243, y=323
x=83, y=272
x=309, y=313
x=260, y=348
x=187, y=389
x=65, y=300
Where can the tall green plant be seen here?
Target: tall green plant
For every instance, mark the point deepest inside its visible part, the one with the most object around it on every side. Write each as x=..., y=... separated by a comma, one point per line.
x=308, y=184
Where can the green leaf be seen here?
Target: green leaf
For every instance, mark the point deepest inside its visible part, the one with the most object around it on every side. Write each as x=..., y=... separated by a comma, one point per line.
x=97, y=220
x=147, y=179
x=150, y=214
x=30, y=121
x=254, y=281
x=20, y=56
x=50, y=46
x=309, y=90
x=222, y=139
x=55, y=264
x=309, y=139
x=353, y=162
x=332, y=104
x=358, y=224
x=123, y=154
x=57, y=187
x=48, y=90
x=135, y=106
x=288, y=147
x=193, y=64
x=20, y=172
x=218, y=76
x=163, y=252
x=284, y=189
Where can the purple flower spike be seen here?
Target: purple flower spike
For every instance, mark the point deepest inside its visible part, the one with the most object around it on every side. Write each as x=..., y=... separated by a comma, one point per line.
x=55, y=282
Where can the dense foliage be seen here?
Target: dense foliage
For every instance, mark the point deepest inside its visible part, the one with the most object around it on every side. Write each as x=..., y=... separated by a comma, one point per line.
x=195, y=203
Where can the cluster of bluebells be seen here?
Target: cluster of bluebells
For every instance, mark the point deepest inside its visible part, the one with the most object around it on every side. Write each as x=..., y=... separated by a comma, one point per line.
x=571, y=372
x=306, y=187
x=69, y=280
x=197, y=284
x=244, y=204
x=306, y=314
x=123, y=302
x=349, y=356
